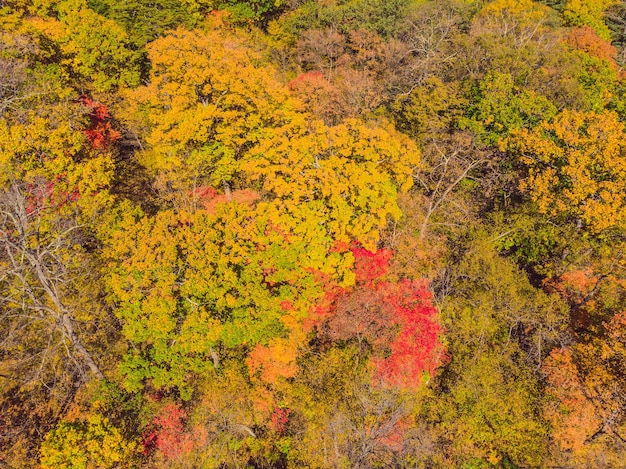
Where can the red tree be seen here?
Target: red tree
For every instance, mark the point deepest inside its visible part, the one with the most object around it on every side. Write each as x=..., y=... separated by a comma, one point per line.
x=395, y=319
x=167, y=433
x=100, y=133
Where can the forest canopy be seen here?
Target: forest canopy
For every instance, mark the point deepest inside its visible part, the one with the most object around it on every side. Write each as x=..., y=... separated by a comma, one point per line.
x=312, y=233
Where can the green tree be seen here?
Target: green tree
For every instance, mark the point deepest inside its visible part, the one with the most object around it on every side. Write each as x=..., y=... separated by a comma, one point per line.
x=145, y=21
x=590, y=13
x=502, y=107
x=499, y=328
x=93, y=51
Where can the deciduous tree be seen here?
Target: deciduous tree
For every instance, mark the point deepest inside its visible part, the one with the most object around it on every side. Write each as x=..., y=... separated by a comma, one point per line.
x=576, y=168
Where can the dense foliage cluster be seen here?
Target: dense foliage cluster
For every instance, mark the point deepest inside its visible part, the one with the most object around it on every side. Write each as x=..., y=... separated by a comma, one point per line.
x=319, y=233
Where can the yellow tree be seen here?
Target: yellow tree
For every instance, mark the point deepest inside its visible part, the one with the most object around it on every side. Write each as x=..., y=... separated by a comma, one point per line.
x=93, y=443
x=217, y=118
x=349, y=173
x=91, y=50
x=520, y=20
x=576, y=167
x=206, y=105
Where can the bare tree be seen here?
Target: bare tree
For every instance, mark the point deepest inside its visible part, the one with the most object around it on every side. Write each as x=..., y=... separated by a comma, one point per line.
x=448, y=163
x=41, y=261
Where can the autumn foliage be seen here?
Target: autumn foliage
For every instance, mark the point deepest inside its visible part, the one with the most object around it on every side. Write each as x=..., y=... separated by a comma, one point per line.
x=167, y=433
x=396, y=319
x=584, y=38
x=323, y=233
x=100, y=132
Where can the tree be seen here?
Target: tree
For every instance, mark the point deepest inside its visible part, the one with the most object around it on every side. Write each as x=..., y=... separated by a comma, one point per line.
x=595, y=70
x=192, y=290
x=233, y=423
x=575, y=168
x=586, y=398
x=614, y=18
x=395, y=320
x=207, y=104
x=501, y=107
x=320, y=97
x=486, y=402
x=589, y=13
x=350, y=174
x=584, y=38
x=341, y=420
x=520, y=39
x=90, y=48
x=52, y=187
x=240, y=12
x=86, y=444
x=511, y=36
x=381, y=18
x=210, y=128
x=36, y=272
x=145, y=21
x=449, y=162
x=521, y=20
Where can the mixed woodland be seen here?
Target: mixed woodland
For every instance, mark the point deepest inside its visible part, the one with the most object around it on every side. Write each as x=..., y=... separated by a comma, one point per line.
x=312, y=233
